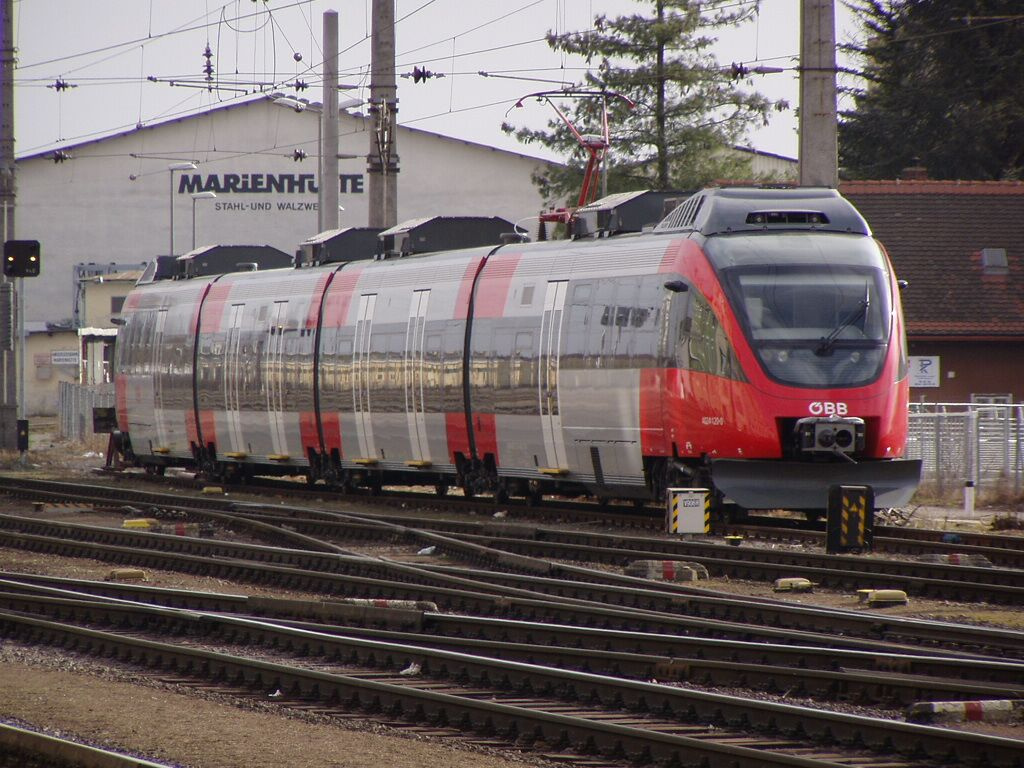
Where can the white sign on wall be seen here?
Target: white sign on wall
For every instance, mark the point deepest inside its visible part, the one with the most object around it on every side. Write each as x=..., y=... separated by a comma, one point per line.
x=64, y=357
x=924, y=371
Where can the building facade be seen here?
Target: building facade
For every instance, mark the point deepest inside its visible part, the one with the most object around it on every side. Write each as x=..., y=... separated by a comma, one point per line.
x=960, y=247
x=254, y=183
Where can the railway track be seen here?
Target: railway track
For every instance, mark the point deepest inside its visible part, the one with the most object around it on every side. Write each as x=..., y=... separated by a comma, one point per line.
x=549, y=591
x=600, y=636
x=893, y=539
x=822, y=673
x=524, y=703
x=26, y=748
x=308, y=528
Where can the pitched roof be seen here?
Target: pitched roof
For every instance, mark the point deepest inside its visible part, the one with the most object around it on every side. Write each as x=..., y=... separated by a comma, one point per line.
x=935, y=232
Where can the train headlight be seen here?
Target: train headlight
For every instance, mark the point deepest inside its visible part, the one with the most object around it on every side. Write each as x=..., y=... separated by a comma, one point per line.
x=830, y=435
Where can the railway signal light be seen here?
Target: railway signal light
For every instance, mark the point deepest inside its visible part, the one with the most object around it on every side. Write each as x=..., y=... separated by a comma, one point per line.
x=21, y=258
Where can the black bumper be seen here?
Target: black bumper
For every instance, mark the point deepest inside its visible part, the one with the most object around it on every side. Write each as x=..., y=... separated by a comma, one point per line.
x=763, y=484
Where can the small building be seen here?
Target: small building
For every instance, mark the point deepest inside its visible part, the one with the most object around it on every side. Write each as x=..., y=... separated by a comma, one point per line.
x=960, y=247
x=101, y=297
x=52, y=356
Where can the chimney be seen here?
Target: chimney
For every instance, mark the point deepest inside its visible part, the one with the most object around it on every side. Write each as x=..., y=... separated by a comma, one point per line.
x=914, y=173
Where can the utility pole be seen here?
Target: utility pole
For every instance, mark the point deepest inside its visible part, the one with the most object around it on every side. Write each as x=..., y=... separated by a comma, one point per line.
x=819, y=145
x=8, y=189
x=382, y=162
x=328, y=183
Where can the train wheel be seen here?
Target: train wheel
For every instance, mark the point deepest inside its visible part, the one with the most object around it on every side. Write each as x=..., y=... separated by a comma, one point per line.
x=534, y=495
x=500, y=494
x=441, y=488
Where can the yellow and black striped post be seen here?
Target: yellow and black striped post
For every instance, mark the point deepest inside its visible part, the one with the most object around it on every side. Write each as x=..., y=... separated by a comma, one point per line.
x=688, y=510
x=851, y=518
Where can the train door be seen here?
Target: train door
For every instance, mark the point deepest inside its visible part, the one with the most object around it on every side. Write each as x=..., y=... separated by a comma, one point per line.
x=233, y=372
x=274, y=376
x=547, y=379
x=415, y=336
x=362, y=376
x=159, y=415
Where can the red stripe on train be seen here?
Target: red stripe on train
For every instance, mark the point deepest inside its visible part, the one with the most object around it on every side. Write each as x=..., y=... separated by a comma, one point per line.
x=484, y=431
x=461, y=311
x=457, y=433
x=121, y=402
x=494, y=284
x=308, y=432
x=339, y=296
x=331, y=423
x=213, y=307
x=208, y=424
x=318, y=294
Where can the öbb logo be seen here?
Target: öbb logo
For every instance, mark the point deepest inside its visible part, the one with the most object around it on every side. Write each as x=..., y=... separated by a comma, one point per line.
x=827, y=408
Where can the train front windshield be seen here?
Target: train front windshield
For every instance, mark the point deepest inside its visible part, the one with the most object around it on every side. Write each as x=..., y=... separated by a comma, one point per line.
x=814, y=325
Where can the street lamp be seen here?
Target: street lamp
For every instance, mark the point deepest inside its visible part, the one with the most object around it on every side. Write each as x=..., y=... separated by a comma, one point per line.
x=198, y=196
x=171, y=169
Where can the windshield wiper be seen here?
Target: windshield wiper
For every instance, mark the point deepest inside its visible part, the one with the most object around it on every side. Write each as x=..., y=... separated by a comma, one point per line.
x=827, y=342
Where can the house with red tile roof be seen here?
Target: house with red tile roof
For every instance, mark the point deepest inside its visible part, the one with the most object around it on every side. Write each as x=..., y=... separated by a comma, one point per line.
x=960, y=247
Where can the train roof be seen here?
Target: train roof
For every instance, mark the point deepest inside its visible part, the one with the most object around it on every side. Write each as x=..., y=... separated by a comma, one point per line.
x=728, y=210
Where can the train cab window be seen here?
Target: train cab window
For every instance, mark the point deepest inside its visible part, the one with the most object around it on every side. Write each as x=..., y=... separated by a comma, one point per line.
x=814, y=326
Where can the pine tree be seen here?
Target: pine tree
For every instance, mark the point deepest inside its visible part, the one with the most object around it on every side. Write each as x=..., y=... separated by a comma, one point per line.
x=941, y=87
x=688, y=109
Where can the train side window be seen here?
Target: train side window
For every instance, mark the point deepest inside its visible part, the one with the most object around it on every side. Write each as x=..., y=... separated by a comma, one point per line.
x=582, y=293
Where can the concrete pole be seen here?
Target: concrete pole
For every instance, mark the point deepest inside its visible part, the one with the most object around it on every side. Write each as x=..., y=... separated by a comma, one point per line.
x=382, y=162
x=819, y=146
x=327, y=201
x=8, y=195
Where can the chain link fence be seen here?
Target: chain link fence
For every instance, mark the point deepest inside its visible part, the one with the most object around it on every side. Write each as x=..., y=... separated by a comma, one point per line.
x=958, y=443
x=75, y=403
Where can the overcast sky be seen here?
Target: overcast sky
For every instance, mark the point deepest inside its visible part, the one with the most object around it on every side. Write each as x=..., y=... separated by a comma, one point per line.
x=108, y=50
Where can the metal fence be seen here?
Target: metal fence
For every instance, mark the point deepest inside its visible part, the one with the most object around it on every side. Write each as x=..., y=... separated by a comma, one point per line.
x=981, y=443
x=75, y=403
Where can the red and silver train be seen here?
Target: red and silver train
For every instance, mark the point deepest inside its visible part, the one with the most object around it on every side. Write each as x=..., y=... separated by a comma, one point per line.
x=751, y=343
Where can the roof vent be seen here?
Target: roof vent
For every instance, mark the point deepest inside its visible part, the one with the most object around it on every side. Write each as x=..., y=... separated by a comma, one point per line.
x=685, y=215
x=993, y=261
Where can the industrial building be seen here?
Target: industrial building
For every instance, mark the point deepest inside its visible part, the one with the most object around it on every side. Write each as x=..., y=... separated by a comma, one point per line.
x=113, y=200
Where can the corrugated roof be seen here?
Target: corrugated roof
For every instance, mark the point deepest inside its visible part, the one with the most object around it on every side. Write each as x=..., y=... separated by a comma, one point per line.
x=935, y=232
x=128, y=275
